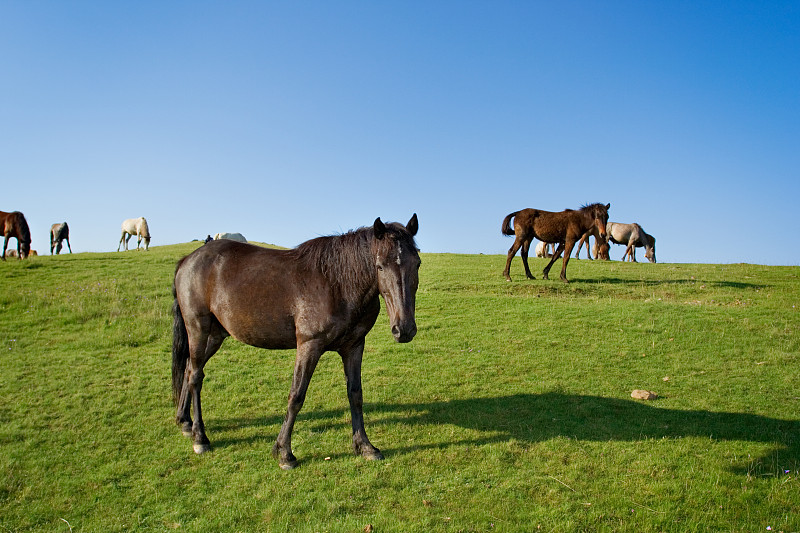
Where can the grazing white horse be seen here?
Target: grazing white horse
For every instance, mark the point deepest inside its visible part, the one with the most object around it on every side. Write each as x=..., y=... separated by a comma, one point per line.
x=632, y=236
x=58, y=234
x=230, y=236
x=138, y=227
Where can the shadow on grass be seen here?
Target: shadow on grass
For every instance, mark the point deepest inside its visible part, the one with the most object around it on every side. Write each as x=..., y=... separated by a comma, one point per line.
x=540, y=417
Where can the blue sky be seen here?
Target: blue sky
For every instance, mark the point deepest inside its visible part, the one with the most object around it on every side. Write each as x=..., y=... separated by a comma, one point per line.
x=289, y=120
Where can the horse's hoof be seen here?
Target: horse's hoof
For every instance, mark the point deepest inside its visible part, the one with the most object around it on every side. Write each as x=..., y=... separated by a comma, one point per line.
x=288, y=465
x=373, y=455
x=201, y=448
x=186, y=429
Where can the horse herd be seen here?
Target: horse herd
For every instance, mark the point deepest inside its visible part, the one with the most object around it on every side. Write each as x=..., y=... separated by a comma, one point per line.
x=15, y=226
x=323, y=295
x=564, y=229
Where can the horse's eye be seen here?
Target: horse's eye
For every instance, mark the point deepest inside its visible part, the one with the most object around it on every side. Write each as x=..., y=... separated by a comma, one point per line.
x=380, y=267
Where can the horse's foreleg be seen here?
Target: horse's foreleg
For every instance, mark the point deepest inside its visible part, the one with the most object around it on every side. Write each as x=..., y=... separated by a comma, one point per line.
x=351, y=359
x=308, y=354
x=511, y=253
x=553, y=259
x=5, y=245
x=68, y=246
x=526, y=246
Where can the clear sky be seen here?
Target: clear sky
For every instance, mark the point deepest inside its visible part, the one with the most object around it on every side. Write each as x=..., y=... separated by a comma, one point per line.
x=289, y=120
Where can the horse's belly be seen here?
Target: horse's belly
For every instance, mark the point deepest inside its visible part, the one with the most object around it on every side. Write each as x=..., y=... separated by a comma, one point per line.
x=261, y=330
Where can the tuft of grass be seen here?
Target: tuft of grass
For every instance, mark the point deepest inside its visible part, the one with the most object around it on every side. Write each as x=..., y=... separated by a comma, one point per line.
x=509, y=411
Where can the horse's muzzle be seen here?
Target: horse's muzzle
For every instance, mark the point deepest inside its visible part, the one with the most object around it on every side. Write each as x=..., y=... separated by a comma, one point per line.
x=404, y=334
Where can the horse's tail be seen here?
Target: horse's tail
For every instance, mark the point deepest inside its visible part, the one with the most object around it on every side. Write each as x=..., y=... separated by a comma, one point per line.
x=180, y=348
x=507, y=228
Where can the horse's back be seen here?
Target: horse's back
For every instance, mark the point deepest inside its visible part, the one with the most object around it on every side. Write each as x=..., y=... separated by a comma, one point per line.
x=250, y=290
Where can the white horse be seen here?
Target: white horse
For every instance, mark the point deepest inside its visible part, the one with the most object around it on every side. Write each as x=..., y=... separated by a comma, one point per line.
x=138, y=227
x=545, y=249
x=632, y=236
x=230, y=236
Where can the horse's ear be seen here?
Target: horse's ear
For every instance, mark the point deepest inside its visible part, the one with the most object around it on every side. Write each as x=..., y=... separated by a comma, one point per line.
x=413, y=225
x=380, y=228
x=608, y=206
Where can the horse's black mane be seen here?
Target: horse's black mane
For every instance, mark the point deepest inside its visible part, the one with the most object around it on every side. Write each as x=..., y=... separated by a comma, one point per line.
x=346, y=259
x=22, y=227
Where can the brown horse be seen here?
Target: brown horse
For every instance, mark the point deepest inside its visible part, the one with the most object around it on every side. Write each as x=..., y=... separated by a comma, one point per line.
x=564, y=228
x=15, y=225
x=597, y=248
x=320, y=296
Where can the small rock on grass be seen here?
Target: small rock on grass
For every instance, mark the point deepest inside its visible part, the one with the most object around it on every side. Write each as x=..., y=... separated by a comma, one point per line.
x=640, y=394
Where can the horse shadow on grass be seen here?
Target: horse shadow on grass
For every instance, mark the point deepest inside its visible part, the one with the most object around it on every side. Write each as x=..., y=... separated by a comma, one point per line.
x=665, y=282
x=536, y=418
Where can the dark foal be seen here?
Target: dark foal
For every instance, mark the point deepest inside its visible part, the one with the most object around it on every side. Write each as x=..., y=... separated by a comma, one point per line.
x=564, y=227
x=322, y=295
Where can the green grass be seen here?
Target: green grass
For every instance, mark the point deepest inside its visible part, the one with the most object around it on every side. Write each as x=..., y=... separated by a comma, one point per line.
x=510, y=410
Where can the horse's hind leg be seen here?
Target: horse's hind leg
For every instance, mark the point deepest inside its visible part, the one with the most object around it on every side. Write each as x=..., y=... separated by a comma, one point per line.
x=202, y=345
x=68, y=246
x=553, y=259
x=511, y=253
x=351, y=359
x=526, y=245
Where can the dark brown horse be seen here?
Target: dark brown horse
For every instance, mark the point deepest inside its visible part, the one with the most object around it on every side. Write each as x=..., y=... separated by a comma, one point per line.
x=15, y=225
x=564, y=228
x=320, y=296
x=58, y=234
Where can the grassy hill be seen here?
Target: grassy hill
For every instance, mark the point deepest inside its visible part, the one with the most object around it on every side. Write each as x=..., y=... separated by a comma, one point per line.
x=510, y=410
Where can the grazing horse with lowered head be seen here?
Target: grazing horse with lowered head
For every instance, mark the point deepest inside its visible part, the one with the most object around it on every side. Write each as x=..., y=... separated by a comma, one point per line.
x=14, y=225
x=564, y=228
x=632, y=236
x=59, y=233
x=321, y=296
x=138, y=227
x=596, y=247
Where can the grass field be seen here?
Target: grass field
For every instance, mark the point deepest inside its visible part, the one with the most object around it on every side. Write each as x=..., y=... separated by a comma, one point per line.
x=510, y=410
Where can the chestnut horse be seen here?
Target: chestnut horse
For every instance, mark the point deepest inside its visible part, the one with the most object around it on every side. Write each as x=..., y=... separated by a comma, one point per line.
x=322, y=295
x=596, y=247
x=14, y=225
x=564, y=228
